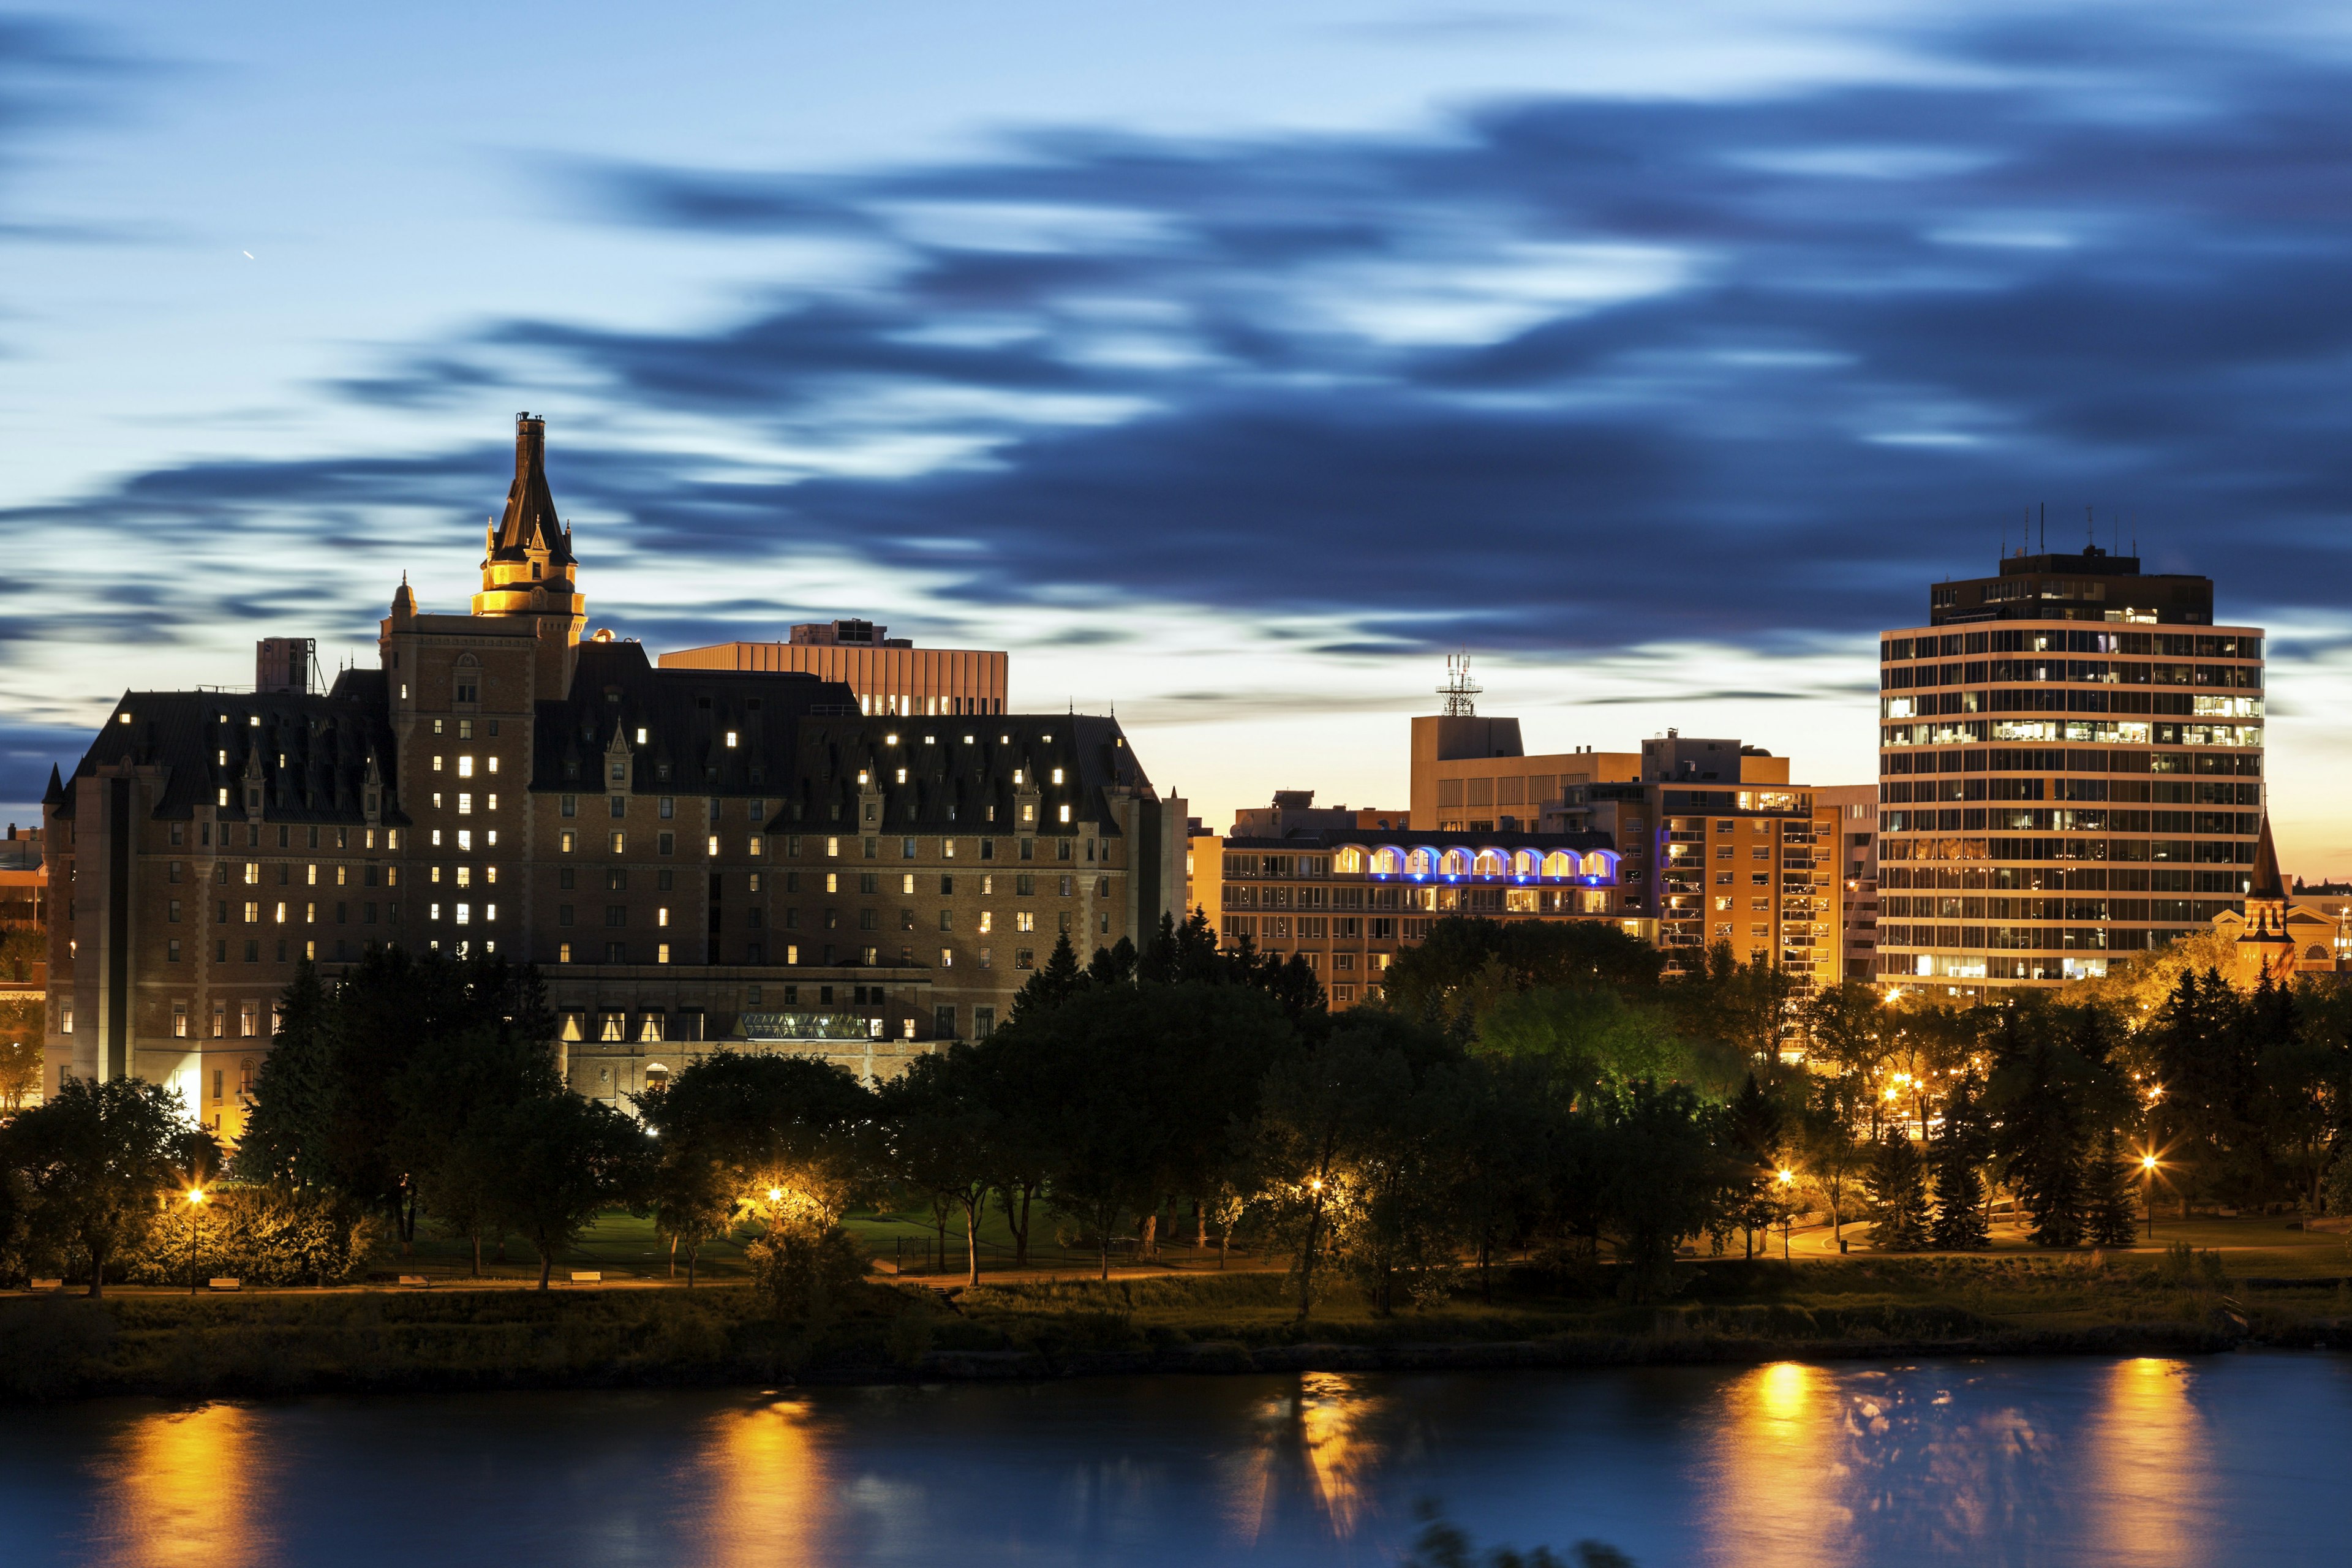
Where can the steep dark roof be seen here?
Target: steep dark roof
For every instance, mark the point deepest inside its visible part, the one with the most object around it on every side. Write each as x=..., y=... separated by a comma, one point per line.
x=2266, y=883
x=531, y=506
x=313, y=749
x=801, y=744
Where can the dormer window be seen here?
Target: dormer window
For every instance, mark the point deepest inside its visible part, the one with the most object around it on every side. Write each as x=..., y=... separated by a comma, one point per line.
x=571, y=769
x=536, y=568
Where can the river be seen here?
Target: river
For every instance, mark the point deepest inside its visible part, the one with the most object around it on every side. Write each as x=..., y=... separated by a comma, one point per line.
x=2228, y=1460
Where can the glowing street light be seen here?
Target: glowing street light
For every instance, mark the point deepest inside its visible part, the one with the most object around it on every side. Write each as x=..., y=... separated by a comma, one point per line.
x=196, y=1206
x=2147, y=1167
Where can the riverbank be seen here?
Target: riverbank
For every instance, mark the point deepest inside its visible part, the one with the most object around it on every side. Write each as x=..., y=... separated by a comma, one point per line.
x=288, y=1342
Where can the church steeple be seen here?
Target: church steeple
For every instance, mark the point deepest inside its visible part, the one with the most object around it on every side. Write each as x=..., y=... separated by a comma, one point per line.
x=2265, y=947
x=528, y=568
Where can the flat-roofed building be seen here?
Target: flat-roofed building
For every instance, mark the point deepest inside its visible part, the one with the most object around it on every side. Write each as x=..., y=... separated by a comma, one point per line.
x=1716, y=844
x=1348, y=897
x=891, y=676
x=2071, y=764
x=1856, y=876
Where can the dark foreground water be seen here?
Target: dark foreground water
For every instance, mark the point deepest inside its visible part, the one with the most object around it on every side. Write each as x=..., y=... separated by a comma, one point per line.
x=2238, y=1460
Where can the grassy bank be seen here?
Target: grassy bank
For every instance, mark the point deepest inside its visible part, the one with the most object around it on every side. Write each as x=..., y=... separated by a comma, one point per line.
x=301, y=1341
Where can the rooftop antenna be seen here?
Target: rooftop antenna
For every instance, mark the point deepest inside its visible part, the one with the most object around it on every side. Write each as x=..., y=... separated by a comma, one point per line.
x=1460, y=691
x=2090, y=529
x=2045, y=528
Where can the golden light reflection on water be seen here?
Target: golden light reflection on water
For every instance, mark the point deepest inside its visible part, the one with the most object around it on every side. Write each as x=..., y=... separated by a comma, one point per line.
x=1317, y=1436
x=2145, y=1457
x=768, y=1499
x=181, y=1489
x=1773, y=1476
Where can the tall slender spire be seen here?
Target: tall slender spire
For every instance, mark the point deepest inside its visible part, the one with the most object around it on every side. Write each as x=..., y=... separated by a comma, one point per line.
x=530, y=523
x=2266, y=883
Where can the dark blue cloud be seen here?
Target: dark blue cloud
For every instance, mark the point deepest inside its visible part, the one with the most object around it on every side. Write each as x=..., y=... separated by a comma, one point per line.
x=1575, y=374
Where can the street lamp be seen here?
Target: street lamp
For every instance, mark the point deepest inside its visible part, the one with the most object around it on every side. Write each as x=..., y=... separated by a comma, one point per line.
x=195, y=1207
x=2147, y=1163
x=1784, y=1179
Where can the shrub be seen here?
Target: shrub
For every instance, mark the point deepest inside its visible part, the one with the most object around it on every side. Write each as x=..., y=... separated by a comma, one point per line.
x=262, y=1236
x=807, y=1277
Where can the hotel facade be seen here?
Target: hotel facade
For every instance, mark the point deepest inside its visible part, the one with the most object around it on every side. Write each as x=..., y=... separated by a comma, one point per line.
x=692, y=856
x=2071, y=769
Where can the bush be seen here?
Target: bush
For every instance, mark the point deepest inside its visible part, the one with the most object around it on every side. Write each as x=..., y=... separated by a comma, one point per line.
x=262, y=1236
x=807, y=1277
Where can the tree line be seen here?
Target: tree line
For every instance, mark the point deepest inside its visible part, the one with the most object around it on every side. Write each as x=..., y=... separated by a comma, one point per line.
x=1522, y=1090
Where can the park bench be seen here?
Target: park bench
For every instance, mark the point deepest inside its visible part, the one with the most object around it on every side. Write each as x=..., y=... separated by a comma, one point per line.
x=418, y=1280
x=589, y=1277
x=48, y=1284
x=225, y=1283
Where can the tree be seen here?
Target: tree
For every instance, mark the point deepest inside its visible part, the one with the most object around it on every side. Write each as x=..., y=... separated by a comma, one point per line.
x=941, y=1132
x=1320, y=1107
x=20, y=1050
x=1051, y=986
x=1464, y=965
x=1660, y=1175
x=790, y=1125
x=2108, y=1220
x=465, y=1189
x=1499, y=1120
x=2049, y=1086
x=1899, y=1189
x=1831, y=1157
x=100, y=1156
x=566, y=1159
x=1752, y=1124
x=1961, y=1223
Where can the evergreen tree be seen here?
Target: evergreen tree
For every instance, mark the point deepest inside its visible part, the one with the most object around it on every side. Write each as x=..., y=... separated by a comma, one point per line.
x=2107, y=1195
x=2042, y=1137
x=1961, y=1223
x=1060, y=980
x=1899, y=1187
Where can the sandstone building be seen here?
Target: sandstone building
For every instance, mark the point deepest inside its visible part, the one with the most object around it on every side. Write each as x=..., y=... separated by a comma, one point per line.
x=691, y=856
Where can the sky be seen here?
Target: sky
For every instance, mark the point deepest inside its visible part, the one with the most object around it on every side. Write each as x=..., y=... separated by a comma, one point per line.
x=1229, y=364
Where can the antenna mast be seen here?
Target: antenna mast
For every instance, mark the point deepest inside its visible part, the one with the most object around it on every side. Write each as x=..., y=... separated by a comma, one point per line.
x=1460, y=691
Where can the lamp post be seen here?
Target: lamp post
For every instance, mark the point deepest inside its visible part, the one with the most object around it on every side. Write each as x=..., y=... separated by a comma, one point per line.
x=1785, y=1179
x=2147, y=1180
x=195, y=1207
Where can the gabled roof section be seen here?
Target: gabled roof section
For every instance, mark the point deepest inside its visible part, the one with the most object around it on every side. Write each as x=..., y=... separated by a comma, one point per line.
x=310, y=753
x=530, y=521
x=800, y=747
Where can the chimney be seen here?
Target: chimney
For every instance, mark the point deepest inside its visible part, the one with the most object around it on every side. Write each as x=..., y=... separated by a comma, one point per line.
x=282, y=665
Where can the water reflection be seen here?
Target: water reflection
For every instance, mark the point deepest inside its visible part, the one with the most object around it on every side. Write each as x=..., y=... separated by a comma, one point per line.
x=1773, y=1478
x=183, y=1488
x=2146, y=1465
x=1319, y=1433
x=764, y=1489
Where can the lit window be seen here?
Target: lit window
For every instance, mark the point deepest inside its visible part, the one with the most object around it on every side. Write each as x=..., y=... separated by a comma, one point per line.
x=465, y=806
x=465, y=914
x=464, y=767
x=731, y=736
x=714, y=845
x=1058, y=775
x=661, y=953
x=620, y=843
x=661, y=916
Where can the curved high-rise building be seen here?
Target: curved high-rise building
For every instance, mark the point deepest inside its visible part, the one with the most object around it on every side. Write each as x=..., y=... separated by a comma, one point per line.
x=2070, y=769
